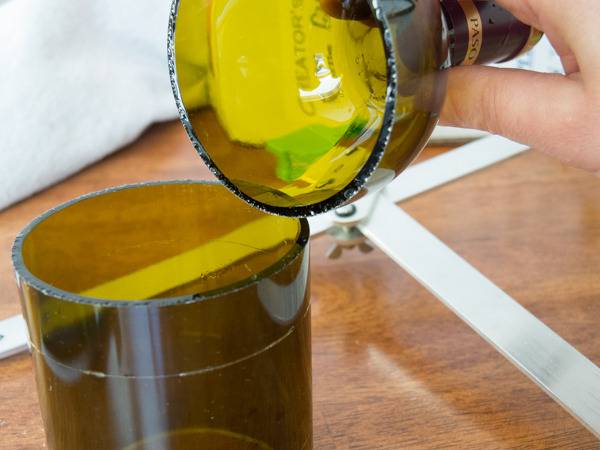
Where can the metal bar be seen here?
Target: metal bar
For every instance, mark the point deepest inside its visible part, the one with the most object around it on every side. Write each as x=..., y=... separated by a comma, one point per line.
x=552, y=363
x=452, y=166
x=451, y=135
x=320, y=224
x=13, y=337
x=428, y=175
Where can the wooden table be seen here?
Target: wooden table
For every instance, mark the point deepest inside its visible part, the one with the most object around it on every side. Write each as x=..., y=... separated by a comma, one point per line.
x=393, y=368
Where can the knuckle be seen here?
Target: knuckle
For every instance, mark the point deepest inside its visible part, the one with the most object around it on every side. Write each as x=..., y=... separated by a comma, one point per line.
x=493, y=114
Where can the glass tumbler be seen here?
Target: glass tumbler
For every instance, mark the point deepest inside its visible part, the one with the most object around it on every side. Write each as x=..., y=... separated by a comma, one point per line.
x=168, y=316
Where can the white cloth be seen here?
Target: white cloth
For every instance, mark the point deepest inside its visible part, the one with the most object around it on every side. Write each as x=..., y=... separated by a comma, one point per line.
x=78, y=80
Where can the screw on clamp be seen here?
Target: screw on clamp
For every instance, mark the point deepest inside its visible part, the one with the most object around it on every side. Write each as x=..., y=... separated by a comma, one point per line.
x=347, y=238
x=346, y=211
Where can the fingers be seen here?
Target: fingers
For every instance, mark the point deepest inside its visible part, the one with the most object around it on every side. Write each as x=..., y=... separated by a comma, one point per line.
x=572, y=28
x=546, y=111
x=553, y=113
x=524, y=11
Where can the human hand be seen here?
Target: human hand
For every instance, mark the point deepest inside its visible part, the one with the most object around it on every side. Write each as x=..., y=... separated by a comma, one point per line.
x=556, y=114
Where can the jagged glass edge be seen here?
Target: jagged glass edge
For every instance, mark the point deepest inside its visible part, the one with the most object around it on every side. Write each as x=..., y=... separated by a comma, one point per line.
x=24, y=275
x=354, y=187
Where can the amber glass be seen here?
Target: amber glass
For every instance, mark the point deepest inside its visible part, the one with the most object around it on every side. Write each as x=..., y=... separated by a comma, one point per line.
x=168, y=316
x=293, y=108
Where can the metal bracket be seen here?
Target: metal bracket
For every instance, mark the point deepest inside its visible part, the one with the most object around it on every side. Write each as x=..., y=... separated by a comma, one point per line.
x=13, y=337
x=548, y=360
x=558, y=368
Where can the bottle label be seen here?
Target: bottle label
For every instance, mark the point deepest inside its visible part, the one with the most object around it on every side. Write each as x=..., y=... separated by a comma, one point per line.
x=475, y=26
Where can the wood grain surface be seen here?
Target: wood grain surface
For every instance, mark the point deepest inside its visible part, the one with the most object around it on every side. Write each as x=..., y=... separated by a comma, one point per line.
x=393, y=368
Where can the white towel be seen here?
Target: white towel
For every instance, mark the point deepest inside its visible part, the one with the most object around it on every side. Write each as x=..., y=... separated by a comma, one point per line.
x=78, y=80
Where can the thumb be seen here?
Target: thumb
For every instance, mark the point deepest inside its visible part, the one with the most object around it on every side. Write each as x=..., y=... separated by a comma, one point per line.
x=545, y=111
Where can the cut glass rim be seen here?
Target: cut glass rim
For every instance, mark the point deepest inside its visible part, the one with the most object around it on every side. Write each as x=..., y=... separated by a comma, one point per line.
x=49, y=290
x=354, y=187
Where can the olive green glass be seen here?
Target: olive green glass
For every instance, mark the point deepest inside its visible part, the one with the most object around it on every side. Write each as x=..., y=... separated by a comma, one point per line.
x=297, y=110
x=168, y=316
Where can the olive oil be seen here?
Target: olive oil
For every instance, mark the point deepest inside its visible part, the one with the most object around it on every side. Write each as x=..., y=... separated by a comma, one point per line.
x=169, y=317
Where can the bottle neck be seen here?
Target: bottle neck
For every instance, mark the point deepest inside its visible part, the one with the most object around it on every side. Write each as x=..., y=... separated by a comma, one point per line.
x=482, y=32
